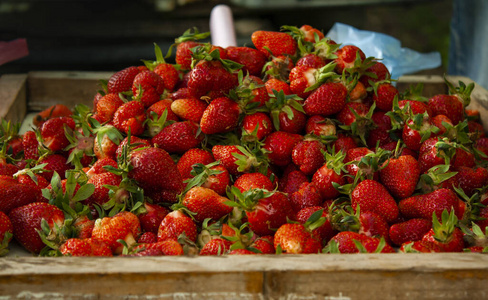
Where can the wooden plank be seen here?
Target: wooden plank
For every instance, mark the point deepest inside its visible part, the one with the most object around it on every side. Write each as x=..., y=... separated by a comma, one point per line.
x=321, y=276
x=13, y=97
x=70, y=88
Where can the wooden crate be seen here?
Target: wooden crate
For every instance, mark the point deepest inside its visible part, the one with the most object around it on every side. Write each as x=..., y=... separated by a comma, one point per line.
x=319, y=276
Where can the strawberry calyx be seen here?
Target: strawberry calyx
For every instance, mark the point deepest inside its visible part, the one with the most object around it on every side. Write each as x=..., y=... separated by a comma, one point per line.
x=414, y=92
x=202, y=53
x=462, y=91
x=191, y=34
x=325, y=49
x=434, y=177
x=322, y=75
x=279, y=102
x=247, y=200
x=362, y=124
x=443, y=230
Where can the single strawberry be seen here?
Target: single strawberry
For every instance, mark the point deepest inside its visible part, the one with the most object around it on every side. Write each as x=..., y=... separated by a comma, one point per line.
x=130, y=116
x=166, y=247
x=424, y=205
x=400, y=176
x=112, y=229
x=325, y=231
x=178, y=137
x=274, y=43
x=150, y=216
x=326, y=100
x=286, y=112
x=53, y=132
x=468, y=179
x=106, y=141
x=343, y=242
x=291, y=181
x=265, y=211
x=175, y=224
x=107, y=106
x=308, y=156
x=55, y=163
x=148, y=88
x=220, y=116
x=217, y=246
x=205, y=203
x=98, y=166
x=148, y=237
x=14, y=194
x=6, y=233
x=256, y=126
x=192, y=157
x=102, y=181
x=252, y=59
x=331, y=174
x=54, y=111
x=274, y=84
x=154, y=170
x=280, y=145
x=445, y=233
x=311, y=60
x=190, y=109
x=27, y=219
x=370, y=195
x=347, y=56
x=321, y=127
x=307, y=195
x=134, y=144
x=277, y=71
x=122, y=80
x=296, y=239
x=411, y=230
x=384, y=93
x=253, y=180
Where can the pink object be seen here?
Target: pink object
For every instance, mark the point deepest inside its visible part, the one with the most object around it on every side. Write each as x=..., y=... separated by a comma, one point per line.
x=13, y=50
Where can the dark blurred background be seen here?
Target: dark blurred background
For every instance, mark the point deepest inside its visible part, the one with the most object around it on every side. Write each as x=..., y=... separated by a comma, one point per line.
x=108, y=35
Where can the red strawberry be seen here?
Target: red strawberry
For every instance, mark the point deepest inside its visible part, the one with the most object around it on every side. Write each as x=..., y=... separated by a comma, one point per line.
x=54, y=111
x=148, y=87
x=280, y=145
x=206, y=203
x=122, y=80
x=253, y=180
x=260, y=123
x=345, y=241
x=383, y=96
x=332, y=172
x=310, y=32
x=166, y=247
x=308, y=156
x=184, y=53
x=325, y=231
x=169, y=74
x=252, y=60
x=376, y=72
x=346, y=57
x=468, y=179
x=311, y=60
x=278, y=68
x=84, y=247
x=30, y=145
x=370, y=195
x=192, y=157
x=100, y=181
x=211, y=79
x=274, y=43
x=13, y=194
x=178, y=137
x=328, y=99
x=307, y=195
x=26, y=221
x=424, y=205
x=221, y=115
x=217, y=246
x=286, y=112
x=278, y=85
x=106, y=142
x=291, y=181
x=54, y=163
x=111, y=229
x=302, y=78
x=135, y=143
x=190, y=109
x=151, y=216
x=161, y=106
x=6, y=233
x=154, y=170
x=400, y=176
x=320, y=126
x=148, y=237
x=447, y=105
x=445, y=234
x=409, y=231
x=98, y=166
x=296, y=239
x=225, y=154
x=53, y=132
x=130, y=116
x=107, y=106
x=175, y=224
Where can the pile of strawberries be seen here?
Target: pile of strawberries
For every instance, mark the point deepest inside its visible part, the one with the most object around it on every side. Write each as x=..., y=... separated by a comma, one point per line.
x=295, y=145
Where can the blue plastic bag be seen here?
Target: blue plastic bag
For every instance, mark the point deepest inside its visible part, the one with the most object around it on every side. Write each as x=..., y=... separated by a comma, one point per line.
x=398, y=60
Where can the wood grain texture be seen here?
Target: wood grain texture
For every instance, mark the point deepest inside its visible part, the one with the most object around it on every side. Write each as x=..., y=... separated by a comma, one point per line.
x=321, y=276
x=13, y=97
